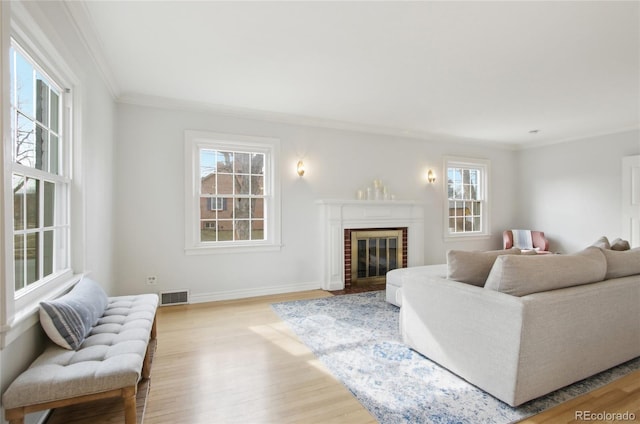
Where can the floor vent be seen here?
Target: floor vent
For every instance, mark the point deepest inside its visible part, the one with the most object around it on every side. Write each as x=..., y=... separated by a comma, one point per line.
x=175, y=297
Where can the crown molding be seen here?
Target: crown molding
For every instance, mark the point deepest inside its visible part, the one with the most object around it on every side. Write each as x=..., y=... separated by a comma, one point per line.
x=159, y=102
x=544, y=143
x=79, y=15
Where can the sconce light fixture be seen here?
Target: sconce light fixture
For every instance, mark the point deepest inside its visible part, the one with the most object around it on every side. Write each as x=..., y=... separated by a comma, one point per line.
x=300, y=168
x=431, y=177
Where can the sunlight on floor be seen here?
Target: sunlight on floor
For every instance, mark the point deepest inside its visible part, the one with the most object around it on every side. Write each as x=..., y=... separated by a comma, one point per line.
x=280, y=335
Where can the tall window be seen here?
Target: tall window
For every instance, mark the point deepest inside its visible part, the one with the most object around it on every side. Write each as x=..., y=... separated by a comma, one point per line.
x=233, y=191
x=467, y=210
x=40, y=184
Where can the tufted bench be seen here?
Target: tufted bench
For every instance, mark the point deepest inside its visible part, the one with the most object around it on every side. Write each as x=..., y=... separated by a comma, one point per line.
x=109, y=360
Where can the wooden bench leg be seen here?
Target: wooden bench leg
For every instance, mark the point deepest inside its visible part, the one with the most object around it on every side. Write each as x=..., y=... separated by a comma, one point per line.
x=146, y=363
x=154, y=330
x=130, y=413
x=151, y=347
x=15, y=416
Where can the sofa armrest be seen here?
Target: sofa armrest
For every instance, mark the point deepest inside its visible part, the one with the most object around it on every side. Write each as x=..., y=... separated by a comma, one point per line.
x=473, y=332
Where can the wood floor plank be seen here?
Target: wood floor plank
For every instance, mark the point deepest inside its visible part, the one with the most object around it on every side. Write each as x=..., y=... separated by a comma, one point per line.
x=237, y=362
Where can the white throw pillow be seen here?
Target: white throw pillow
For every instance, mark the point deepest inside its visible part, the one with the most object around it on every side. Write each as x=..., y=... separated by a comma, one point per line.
x=602, y=243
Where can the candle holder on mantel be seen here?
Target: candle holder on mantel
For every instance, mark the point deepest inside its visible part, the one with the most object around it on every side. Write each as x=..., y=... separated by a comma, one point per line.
x=378, y=192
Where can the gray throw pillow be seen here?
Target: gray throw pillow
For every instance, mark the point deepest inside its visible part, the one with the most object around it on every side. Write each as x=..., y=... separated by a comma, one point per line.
x=619, y=244
x=68, y=319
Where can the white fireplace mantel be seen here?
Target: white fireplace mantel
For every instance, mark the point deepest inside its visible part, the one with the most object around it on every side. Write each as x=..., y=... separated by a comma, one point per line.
x=337, y=215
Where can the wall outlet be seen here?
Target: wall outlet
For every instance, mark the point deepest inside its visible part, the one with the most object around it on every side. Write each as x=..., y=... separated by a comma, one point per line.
x=152, y=280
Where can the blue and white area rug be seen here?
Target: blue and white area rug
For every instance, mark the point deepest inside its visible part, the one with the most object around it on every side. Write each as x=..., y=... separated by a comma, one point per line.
x=357, y=338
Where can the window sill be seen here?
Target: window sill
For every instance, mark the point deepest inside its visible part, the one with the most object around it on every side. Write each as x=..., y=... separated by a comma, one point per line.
x=237, y=248
x=466, y=237
x=27, y=316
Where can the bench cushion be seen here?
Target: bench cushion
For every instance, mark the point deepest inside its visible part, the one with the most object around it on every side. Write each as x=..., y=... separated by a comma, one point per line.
x=110, y=357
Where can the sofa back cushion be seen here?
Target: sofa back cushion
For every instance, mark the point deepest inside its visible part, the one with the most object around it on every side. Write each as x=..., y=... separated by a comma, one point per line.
x=68, y=319
x=523, y=275
x=473, y=267
x=622, y=263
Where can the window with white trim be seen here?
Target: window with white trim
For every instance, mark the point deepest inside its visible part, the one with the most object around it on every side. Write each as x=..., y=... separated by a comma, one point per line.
x=40, y=181
x=232, y=192
x=466, y=209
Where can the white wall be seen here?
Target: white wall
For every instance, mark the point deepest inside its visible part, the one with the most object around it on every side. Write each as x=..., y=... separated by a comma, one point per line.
x=572, y=191
x=150, y=211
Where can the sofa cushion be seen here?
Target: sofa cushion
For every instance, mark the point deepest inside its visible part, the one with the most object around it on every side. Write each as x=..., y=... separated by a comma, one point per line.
x=622, y=263
x=619, y=244
x=523, y=275
x=68, y=319
x=473, y=267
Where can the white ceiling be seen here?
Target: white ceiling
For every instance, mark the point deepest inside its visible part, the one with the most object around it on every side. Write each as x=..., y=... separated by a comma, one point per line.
x=487, y=71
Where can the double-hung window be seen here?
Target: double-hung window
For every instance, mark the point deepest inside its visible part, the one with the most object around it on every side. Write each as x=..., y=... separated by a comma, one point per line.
x=232, y=196
x=467, y=193
x=40, y=180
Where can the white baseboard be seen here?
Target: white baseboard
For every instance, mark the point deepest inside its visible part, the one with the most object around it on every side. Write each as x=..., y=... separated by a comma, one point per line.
x=244, y=293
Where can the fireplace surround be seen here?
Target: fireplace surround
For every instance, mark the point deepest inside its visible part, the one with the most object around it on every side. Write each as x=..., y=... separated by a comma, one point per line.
x=339, y=215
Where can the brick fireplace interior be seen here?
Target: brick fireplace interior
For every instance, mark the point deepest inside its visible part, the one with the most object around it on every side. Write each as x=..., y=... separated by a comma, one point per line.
x=369, y=253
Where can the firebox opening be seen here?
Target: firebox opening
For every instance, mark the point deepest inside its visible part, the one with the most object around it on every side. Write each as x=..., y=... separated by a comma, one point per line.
x=370, y=253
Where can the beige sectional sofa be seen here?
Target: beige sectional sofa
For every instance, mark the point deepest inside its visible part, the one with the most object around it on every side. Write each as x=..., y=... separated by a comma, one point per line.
x=538, y=323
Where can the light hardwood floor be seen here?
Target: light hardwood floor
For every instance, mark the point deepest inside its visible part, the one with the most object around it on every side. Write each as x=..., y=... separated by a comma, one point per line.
x=237, y=362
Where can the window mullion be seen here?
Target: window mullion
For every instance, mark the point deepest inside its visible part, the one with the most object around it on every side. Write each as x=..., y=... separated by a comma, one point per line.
x=23, y=235
x=40, y=229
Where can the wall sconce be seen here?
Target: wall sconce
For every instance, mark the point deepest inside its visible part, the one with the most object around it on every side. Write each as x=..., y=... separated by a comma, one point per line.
x=300, y=168
x=431, y=177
